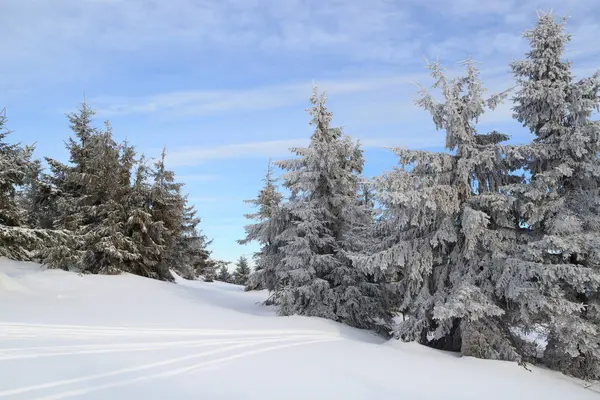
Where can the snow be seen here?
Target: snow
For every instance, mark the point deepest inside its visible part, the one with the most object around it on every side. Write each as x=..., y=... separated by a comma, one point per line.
x=64, y=335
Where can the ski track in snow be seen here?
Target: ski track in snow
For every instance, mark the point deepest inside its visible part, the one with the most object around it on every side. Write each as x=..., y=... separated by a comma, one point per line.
x=235, y=342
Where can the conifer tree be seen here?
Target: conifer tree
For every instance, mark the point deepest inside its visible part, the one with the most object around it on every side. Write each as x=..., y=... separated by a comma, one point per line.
x=242, y=271
x=446, y=226
x=73, y=179
x=167, y=207
x=65, y=186
x=553, y=278
x=106, y=247
x=38, y=198
x=16, y=167
x=316, y=275
x=270, y=220
x=209, y=272
x=223, y=273
x=147, y=235
x=191, y=257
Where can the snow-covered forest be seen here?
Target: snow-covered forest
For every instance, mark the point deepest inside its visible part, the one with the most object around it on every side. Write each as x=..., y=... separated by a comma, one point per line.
x=490, y=249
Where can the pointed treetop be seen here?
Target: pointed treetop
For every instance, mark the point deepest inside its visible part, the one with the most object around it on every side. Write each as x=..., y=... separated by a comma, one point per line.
x=81, y=121
x=321, y=117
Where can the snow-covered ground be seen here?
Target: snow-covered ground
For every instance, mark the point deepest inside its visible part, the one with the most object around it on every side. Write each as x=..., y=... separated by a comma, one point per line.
x=63, y=335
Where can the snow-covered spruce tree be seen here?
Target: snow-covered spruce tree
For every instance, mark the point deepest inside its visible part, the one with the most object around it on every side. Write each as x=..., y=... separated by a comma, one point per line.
x=106, y=247
x=271, y=219
x=167, y=207
x=38, y=198
x=54, y=195
x=64, y=188
x=190, y=256
x=445, y=227
x=316, y=276
x=209, y=271
x=223, y=274
x=17, y=241
x=146, y=234
x=553, y=279
x=242, y=271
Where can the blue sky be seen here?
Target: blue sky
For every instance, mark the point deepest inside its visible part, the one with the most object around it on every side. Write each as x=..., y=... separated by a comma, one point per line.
x=224, y=84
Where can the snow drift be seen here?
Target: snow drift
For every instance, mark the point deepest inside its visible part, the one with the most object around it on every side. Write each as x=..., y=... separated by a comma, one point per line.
x=124, y=337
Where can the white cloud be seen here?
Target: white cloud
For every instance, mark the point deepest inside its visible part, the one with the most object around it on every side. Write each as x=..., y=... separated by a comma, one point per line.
x=40, y=28
x=93, y=38
x=261, y=98
x=207, y=102
x=281, y=148
x=195, y=156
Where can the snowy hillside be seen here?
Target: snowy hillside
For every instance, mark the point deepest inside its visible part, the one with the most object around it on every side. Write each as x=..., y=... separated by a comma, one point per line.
x=122, y=337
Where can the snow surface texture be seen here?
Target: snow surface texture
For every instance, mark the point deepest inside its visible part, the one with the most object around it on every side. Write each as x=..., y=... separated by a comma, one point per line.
x=63, y=335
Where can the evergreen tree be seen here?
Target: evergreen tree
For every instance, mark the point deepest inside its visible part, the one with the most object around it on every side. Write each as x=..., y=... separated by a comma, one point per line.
x=316, y=276
x=209, y=271
x=16, y=167
x=191, y=257
x=62, y=190
x=446, y=226
x=39, y=198
x=271, y=220
x=146, y=234
x=223, y=273
x=167, y=207
x=106, y=247
x=73, y=179
x=242, y=271
x=553, y=277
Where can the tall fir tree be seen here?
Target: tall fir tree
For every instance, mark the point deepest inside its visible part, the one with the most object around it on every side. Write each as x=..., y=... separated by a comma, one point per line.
x=316, y=275
x=167, y=207
x=271, y=219
x=65, y=186
x=106, y=247
x=553, y=277
x=146, y=234
x=446, y=227
x=17, y=241
x=191, y=257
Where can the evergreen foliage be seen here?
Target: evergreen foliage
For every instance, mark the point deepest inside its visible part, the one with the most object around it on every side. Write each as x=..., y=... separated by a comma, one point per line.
x=105, y=211
x=17, y=240
x=271, y=219
x=242, y=271
x=223, y=273
x=445, y=226
x=552, y=279
x=308, y=241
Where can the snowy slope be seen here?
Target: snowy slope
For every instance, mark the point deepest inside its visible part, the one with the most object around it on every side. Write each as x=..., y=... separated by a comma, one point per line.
x=123, y=337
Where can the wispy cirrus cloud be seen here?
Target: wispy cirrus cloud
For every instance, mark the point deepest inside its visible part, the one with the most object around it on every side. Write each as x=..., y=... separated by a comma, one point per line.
x=205, y=102
x=54, y=31
x=374, y=90
x=199, y=155
x=281, y=148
